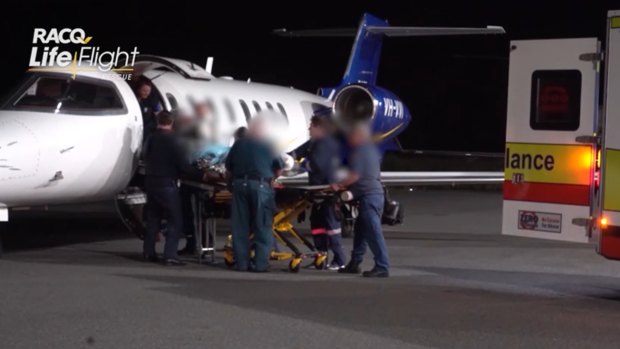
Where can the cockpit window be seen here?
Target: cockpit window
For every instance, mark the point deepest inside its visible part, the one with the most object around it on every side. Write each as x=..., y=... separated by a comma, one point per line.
x=64, y=95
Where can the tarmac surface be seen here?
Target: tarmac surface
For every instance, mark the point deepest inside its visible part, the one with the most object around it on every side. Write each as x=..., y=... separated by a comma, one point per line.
x=75, y=280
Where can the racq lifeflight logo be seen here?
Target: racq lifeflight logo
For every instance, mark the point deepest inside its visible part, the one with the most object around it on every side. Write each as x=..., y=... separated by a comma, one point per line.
x=68, y=50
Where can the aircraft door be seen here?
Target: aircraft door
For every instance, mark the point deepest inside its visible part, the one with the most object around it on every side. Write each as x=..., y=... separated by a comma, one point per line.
x=608, y=222
x=552, y=96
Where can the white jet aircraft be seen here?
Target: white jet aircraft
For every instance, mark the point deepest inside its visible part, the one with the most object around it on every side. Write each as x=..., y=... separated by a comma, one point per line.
x=71, y=139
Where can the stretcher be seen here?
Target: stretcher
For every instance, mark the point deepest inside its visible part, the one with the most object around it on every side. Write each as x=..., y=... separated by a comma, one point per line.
x=211, y=201
x=291, y=203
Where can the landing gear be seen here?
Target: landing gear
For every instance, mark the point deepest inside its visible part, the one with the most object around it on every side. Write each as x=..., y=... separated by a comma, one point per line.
x=130, y=205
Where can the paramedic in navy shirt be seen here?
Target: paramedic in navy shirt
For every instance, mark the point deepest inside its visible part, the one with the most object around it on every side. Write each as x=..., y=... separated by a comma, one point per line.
x=364, y=181
x=323, y=162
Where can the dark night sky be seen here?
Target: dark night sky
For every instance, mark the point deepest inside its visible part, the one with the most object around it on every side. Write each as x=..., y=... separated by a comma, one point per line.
x=455, y=88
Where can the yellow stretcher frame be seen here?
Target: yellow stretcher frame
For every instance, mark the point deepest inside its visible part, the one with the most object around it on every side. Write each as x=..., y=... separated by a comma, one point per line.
x=281, y=227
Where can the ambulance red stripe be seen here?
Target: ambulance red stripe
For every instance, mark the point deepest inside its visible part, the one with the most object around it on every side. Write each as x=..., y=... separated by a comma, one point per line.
x=567, y=194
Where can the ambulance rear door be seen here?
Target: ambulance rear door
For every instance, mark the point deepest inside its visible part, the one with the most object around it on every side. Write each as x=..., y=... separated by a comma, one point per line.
x=608, y=223
x=552, y=96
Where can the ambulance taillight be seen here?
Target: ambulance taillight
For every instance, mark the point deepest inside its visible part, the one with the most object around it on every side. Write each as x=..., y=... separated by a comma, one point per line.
x=603, y=223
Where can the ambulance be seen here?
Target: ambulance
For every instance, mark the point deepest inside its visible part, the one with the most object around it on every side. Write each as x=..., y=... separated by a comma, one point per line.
x=562, y=156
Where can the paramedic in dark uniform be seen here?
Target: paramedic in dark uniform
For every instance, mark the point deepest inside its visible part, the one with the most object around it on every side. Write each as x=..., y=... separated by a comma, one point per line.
x=148, y=105
x=364, y=181
x=188, y=129
x=252, y=165
x=165, y=163
x=322, y=162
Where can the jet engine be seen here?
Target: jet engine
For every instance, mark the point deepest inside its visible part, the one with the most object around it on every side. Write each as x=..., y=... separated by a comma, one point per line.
x=386, y=113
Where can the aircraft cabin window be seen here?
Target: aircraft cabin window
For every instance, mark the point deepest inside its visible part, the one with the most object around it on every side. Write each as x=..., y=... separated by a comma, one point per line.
x=283, y=111
x=231, y=112
x=256, y=106
x=211, y=105
x=269, y=106
x=191, y=101
x=65, y=95
x=556, y=100
x=173, y=101
x=246, y=110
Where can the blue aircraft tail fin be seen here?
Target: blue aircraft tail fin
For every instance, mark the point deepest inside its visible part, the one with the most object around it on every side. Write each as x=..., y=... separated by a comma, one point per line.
x=366, y=52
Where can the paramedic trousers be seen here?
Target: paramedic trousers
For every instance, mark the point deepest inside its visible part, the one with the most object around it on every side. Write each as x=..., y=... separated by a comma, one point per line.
x=333, y=242
x=252, y=213
x=189, y=228
x=163, y=201
x=367, y=232
x=326, y=231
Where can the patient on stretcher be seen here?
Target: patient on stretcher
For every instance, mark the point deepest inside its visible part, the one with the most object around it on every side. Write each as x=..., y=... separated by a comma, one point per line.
x=208, y=145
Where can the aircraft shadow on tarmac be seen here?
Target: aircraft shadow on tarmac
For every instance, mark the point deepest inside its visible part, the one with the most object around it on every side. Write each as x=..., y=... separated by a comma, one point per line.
x=44, y=231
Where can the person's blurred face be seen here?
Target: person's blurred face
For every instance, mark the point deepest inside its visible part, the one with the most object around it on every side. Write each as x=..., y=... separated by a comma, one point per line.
x=352, y=139
x=183, y=119
x=357, y=137
x=144, y=91
x=315, y=131
x=256, y=128
x=201, y=111
x=49, y=88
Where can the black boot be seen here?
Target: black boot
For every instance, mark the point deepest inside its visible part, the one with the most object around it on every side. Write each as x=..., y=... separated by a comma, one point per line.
x=376, y=274
x=151, y=258
x=350, y=269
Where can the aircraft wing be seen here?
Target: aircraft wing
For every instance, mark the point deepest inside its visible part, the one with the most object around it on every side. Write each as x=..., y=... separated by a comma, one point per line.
x=417, y=178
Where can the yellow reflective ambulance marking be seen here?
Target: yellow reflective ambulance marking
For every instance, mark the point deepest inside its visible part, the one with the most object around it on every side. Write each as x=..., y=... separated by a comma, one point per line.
x=611, y=197
x=615, y=22
x=549, y=163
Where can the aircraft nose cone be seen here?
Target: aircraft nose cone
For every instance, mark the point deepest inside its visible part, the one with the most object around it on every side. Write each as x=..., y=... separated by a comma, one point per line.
x=19, y=151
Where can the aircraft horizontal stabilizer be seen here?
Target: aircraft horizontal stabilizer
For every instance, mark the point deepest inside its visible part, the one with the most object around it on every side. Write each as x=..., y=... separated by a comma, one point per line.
x=390, y=31
x=435, y=31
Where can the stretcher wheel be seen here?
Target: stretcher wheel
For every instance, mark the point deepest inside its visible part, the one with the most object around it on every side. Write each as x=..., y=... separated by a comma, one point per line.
x=294, y=265
x=320, y=261
x=229, y=258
